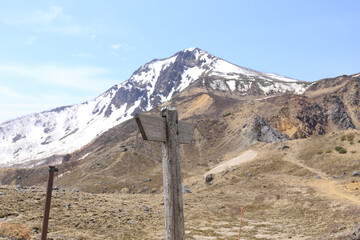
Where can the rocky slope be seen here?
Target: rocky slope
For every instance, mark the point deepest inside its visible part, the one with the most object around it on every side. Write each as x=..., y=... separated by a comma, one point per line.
x=66, y=129
x=328, y=105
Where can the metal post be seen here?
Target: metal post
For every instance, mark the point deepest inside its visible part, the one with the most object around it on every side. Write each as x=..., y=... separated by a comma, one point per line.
x=242, y=211
x=44, y=229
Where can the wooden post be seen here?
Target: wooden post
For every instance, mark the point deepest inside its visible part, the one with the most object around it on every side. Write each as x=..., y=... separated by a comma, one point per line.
x=173, y=199
x=168, y=130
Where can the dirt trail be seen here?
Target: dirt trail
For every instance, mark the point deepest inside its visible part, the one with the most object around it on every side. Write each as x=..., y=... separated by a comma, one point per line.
x=331, y=189
x=293, y=160
x=326, y=186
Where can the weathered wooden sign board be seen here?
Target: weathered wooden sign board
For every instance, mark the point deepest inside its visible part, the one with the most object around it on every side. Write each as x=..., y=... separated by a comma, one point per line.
x=154, y=129
x=168, y=130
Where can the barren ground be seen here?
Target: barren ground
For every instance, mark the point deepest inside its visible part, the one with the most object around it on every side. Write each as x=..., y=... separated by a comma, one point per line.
x=293, y=192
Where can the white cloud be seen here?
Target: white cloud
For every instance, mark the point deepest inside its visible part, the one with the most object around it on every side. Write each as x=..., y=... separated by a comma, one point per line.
x=52, y=20
x=122, y=46
x=46, y=17
x=67, y=29
x=93, y=36
x=36, y=17
x=51, y=87
x=85, y=78
x=9, y=92
x=82, y=55
x=30, y=40
x=116, y=46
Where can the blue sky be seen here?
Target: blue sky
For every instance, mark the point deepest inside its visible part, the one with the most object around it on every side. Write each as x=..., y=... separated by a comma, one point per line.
x=55, y=53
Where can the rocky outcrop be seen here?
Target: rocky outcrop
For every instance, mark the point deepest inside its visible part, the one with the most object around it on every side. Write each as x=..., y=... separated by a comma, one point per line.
x=260, y=131
x=312, y=117
x=124, y=96
x=337, y=112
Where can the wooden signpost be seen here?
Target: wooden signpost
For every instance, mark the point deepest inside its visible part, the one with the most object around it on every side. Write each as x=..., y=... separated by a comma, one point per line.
x=168, y=130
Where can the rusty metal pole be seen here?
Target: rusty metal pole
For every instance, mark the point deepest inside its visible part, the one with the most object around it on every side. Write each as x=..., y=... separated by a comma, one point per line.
x=44, y=229
x=242, y=211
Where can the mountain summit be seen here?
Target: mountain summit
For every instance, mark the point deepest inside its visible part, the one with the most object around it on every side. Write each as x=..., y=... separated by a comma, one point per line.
x=66, y=129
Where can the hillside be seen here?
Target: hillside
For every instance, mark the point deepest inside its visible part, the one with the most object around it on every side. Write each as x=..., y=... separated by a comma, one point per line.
x=287, y=155
x=289, y=188
x=226, y=124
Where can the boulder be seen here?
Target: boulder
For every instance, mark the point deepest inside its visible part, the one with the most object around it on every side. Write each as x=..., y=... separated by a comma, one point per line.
x=209, y=178
x=284, y=146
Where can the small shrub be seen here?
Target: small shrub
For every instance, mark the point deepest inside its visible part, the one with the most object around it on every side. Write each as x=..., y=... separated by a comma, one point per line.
x=353, y=151
x=328, y=151
x=14, y=231
x=351, y=142
x=358, y=141
x=350, y=137
x=207, y=169
x=226, y=114
x=343, y=151
x=343, y=138
x=320, y=152
x=340, y=150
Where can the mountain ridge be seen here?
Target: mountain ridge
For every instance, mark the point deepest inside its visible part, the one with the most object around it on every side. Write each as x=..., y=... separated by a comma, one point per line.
x=303, y=173
x=68, y=128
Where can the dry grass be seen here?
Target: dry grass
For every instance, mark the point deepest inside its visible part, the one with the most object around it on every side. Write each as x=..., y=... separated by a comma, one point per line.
x=282, y=198
x=14, y=231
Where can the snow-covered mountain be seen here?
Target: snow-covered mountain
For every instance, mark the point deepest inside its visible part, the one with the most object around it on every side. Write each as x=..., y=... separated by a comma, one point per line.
x=66, y=129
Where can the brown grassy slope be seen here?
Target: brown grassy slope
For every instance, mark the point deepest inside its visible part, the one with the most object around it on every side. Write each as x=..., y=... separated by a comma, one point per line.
x=282, y=195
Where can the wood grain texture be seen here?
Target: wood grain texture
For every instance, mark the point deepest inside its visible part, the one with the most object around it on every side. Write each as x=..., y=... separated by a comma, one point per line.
x=154, y=129
x=173, y=199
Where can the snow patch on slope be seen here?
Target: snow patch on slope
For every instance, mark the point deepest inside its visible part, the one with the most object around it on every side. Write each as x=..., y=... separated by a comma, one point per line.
x=279, y=77
x=56, y=132
x=226, y=69
x=67, y=129
x=232, y=85
x=283, y=87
